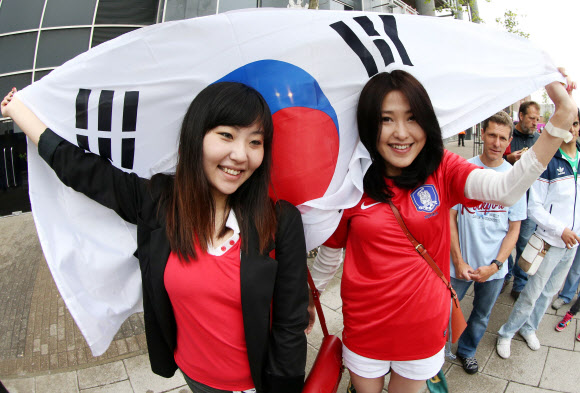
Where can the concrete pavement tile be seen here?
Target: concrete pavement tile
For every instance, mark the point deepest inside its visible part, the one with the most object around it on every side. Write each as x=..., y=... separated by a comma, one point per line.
x=57, y=383
x=446, y=366
x=560, y=372
x=505, y=297
x=387, y=380
x=484, y=350
x=121, y=346
x=311, y=354
x=515, y=387
x=466, y=306
x=499, y=316
x=117, y=387
x=551, y=311
x=72, y=359
x=470, y=291
x=333, y=323
x=331, y=295
x=524, y=365
x=183, y=389
x=53, y=361
x=102, y=375
x=132, y=344
x=459, y=381
x=576, y=342
x=24, y=385
x=144, y=381
x=562, y=311
x=548, y=335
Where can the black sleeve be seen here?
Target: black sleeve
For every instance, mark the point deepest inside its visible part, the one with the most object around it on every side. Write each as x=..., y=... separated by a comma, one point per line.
x=94, y=176
x=287, y=349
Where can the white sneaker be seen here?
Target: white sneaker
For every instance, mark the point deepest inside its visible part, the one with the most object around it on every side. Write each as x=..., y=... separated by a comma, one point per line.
x=503, y=347
x=532, y=341
x=559, y=302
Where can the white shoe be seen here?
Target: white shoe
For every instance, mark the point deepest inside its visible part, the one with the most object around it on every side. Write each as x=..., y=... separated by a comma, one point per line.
x=503, y=347
x=532, y=341
x=559, y=302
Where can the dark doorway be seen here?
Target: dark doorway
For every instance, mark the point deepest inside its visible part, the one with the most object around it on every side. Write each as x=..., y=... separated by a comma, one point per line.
x=13, y=170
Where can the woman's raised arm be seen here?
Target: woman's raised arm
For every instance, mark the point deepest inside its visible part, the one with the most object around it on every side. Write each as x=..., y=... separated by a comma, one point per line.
x=507, y=188
x=25, y=119
x=561, y=121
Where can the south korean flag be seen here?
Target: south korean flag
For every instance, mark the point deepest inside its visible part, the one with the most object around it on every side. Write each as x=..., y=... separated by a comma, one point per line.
x=125, y=100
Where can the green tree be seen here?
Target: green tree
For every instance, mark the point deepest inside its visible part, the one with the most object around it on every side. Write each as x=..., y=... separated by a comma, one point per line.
x=547, y=114
x=545, y=98
x=510, y=23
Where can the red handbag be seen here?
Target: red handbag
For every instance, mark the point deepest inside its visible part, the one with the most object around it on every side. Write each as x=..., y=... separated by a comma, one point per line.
x=326, y=372
x=456, y=319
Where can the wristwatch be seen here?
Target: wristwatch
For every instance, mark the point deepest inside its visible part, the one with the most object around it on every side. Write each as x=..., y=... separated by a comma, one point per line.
x=499, y=264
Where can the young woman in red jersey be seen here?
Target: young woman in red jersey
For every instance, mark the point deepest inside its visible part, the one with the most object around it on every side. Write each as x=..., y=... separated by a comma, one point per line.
x=216, y=305
x=395, y=308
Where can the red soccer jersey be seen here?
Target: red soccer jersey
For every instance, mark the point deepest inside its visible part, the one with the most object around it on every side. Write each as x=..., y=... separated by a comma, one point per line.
x=206, y=299
x=394, y=305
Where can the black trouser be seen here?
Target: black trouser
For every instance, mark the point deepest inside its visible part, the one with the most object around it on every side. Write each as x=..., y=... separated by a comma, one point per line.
x=575, y=307
x=197, y=387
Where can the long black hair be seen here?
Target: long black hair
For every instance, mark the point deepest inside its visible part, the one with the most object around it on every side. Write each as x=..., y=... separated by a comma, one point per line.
x=369, y=118
x=189, y=204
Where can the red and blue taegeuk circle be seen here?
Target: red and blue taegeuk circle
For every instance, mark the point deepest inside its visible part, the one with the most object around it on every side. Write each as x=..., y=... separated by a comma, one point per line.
x=306, y=132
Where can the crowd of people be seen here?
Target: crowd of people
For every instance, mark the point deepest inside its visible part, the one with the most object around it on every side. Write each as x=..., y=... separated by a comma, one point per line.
x=224, y=267
x=486, y=236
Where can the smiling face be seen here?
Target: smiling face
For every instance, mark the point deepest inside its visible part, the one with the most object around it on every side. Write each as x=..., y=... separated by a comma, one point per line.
x=496, y=138
x=230, y=156
x=401, y=138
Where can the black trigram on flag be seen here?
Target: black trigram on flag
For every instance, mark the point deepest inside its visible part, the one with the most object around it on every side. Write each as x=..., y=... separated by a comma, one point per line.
x=104, y=123
x=390, y=27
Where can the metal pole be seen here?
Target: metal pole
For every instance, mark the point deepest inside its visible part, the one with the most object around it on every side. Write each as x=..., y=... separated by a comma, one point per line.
x=425, y=7
x=474, y=11
x=13, y=174
x=6, y=168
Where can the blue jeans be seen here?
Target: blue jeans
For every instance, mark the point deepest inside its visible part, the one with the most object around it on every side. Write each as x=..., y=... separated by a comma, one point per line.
x=527, y=228
x=538, y=292
x=572, y=280
x=510, y=264
x=486, y=294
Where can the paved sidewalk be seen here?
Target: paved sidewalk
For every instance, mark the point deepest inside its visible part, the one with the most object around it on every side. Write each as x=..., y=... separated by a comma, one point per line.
x=42, y=351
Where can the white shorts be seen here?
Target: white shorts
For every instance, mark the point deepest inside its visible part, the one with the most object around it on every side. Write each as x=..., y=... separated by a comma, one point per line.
x=418, y=370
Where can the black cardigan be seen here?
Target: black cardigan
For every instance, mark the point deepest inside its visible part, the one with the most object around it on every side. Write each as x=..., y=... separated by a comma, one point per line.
x=276, y=342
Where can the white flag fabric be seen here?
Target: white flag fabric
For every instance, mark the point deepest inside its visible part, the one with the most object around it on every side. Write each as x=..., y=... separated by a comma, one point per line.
x=125, y=99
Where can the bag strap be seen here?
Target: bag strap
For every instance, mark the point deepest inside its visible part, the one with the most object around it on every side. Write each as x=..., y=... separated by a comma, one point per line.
x=422, y=251
x=316, y=297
